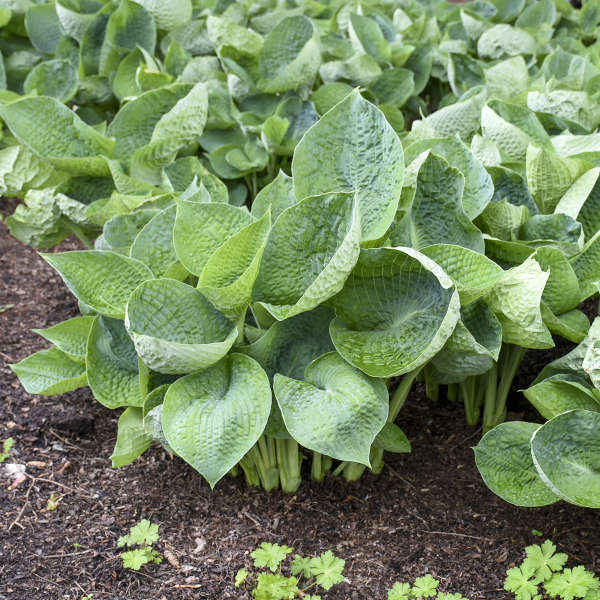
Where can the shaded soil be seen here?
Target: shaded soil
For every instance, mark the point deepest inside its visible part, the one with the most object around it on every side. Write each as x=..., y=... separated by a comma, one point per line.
x=428, y=512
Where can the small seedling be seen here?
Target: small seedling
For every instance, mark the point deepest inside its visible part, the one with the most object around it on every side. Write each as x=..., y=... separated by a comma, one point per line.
x=6, y=448
x=52, y=503
x=323, y=571
x=544, y=566
x=423, y=587
x=143, y=535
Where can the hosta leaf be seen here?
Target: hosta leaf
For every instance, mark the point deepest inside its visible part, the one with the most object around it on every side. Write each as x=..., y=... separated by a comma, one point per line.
x=112, y=364
x=223, y=32
x=43, y=27
x=576, y=197
x=212, y=418
x=473, y=273
x=395, y=312
x=566, y=452
x=54, y=132
x=366, y=36
x=55, y=78
x=436, y=215
x=69, y=336
x=478, y=186
x=504, y=40
x=392, y=439
x=336, y=410
x=120, y=231
x=168, y=14
x=290, y=56
x=562, y=292
x=50, y=372
x=103, y=280
x=153, y=246
x=277, y=195
x=132, y=440
x=311, y=250
x=560, y=393
x=461, y=118
x=393, y=86
x=507, y=78
x=573, y=325
x=516, y=299
x=352, y=148
x=201, y=228
x=175, y=329
x=503, y=457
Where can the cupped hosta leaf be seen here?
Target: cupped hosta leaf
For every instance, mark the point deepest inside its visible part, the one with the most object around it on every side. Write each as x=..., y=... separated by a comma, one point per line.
x=229, y=274
x=50, y=372
x=504, y=40
x=277, y=195
x=586, y=265
x=566, y=452
x=69, y=336
x=560, y=393
x=134, y=124
x=54, y=132
x=573, y=325
x=472, y=348
x=472, y=272
x=132, y=439
x=395, y=312
x=352, y=148
x=103, y=280
x=168, y=14
x=392, y=439
x=461, y=118
x=55, y=78
x=436, y=215
x=182, y=125
x=290, y=56
x=153, y=246
x=212, y=418
x=515, y=299
x=200, y=228
x=175, y=329
x=311, y=250
x=562, y=292
x=478, y=186
x=337, y=410
x=119, y=232
x=288, y=346
x=503, y=457
x=112, y=364
x=43, y=27
x=367, y=37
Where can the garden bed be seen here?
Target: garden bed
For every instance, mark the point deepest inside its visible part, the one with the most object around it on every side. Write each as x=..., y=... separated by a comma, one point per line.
x=428, y=512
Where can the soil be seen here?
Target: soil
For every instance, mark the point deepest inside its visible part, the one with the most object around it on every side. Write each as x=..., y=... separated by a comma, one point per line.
x=428, y=511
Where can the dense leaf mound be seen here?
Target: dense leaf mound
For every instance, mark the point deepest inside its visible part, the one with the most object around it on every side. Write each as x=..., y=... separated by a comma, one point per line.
x=295, y=204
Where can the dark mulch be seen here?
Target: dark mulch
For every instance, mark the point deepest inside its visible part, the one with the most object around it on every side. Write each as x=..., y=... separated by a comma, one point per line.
x=428, y=512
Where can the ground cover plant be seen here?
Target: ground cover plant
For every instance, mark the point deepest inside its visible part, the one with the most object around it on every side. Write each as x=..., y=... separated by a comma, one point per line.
x=410, y=191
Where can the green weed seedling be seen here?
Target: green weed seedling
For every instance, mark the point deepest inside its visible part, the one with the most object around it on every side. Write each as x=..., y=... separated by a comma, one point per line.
x=270, y=583
x=423, y=587
x=544, y=568
x=6, y=448
x=142, y=535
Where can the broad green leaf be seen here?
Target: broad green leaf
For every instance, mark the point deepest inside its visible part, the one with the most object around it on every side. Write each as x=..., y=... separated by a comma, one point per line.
x=43, y=27
x=461, y=118
x=182, y=125
x=290, y=56
x=573, y=325
x=473, y=273
x=103, y=280
x=560, y=393
x=574, y=107
x=337, y=410
x=576, y=198
x=50, y=372
x=153, y=246
x=566, y=453
x=168, y=14
x=395, y=312
x=562, y=292
x=75, y=17
x=359, y=70
x=507, y=78
x=504, y=40
x=311, y=250
x=133, y=126
x=112, y=365
x=503, y=457
x=119, y=232
x=277, y=195
x=132, y=440
x=222, y=32
x=478, y=187
x=212, y=418
x=70, y=336
x=503, y=219
x=54, y=132
x=228, y=277
x=55, y=78
x=586, y=265
x=351, y=149
x=392, y=439
x=175, y=329
x=436, y=215
x=201, y=228
x=515, y=299
x=393, y=86
x=183, y=171
x=366, y=36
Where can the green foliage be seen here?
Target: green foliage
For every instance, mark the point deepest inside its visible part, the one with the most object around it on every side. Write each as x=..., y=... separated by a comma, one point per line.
x=6, y=448
x=543, y=566
x=423, y=587
x=324, y=571
x=143, y=535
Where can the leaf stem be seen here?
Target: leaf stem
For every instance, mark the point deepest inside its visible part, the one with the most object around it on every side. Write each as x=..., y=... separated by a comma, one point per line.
x=401, y=393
